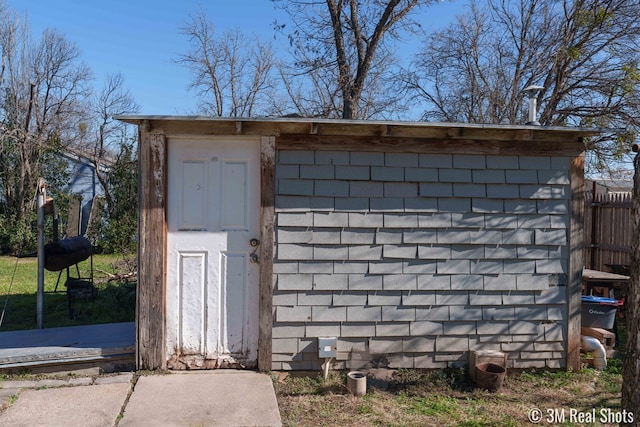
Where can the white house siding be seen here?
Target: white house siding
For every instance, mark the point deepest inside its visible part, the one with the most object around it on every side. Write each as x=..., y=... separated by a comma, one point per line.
x=412, y=260
x=84, y=183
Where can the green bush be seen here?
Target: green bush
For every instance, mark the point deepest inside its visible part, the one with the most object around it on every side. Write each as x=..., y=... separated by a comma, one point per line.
x=119, y=232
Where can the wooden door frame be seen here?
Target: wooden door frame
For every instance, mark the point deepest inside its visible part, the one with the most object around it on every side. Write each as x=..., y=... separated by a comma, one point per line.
x=576, y=262
x=267, y=215
x=152, y=249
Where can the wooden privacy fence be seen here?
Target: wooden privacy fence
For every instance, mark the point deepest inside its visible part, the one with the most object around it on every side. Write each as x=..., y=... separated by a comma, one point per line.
x=607, y=230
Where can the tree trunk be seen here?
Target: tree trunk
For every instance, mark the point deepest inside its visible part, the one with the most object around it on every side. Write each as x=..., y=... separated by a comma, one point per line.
x=631, y=367
x=348, y=111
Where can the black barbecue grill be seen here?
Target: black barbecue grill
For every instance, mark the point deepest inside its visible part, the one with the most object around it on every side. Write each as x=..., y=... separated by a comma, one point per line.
x=63, y=254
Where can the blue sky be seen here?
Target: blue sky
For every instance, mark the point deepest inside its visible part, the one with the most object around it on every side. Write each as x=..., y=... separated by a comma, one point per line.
x=141, y=38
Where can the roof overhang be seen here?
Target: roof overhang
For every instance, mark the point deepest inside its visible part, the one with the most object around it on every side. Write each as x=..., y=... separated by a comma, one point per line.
x=371, y=128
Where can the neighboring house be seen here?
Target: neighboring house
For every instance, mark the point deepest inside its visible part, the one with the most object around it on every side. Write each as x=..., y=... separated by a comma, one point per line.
x=83, y=183
x=412, y=243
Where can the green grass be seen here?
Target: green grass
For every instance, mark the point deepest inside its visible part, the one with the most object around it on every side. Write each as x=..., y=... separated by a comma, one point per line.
x=429, y=405
x=114, y=302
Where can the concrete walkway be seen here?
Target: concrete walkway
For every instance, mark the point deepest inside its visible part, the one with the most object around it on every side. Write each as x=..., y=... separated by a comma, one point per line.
x=203, y=398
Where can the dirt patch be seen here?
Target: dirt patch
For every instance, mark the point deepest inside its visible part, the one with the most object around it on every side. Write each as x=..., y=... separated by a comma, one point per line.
x=448, y=398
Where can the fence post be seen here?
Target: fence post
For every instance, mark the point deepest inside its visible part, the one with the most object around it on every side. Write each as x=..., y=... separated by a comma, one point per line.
x=593, y=244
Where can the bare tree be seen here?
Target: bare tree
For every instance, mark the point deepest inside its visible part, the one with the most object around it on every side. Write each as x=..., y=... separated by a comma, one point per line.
x=101, y=136
x=233, y=75
x=584, y=53
x=344, y=63
x=42, y=88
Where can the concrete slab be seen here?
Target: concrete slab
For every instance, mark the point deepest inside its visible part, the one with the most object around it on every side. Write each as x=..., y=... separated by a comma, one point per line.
x=81, y=406
x=39, y=350
x=208, y=398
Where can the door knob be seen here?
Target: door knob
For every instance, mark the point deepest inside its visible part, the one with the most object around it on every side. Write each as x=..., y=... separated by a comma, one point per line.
x=254, y=243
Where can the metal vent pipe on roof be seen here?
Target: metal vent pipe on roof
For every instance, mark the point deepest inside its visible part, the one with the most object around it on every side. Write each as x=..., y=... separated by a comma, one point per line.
x=532, y=92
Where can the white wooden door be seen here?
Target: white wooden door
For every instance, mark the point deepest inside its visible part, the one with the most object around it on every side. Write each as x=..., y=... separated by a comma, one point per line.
x=212, y=237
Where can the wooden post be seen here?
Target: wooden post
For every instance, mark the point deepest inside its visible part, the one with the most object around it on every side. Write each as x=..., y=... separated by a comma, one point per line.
x=593, y=245
x=576, y=262
x=267, y=203
x=150, y=312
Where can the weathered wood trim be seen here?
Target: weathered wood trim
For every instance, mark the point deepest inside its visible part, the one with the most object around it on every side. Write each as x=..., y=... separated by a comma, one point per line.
x=429, y=145
x=150, y=302
x=576, y=262
x=267, y=203
x=174, y=125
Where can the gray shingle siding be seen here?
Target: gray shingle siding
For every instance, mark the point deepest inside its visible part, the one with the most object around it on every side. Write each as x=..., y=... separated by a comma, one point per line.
x=413, y=260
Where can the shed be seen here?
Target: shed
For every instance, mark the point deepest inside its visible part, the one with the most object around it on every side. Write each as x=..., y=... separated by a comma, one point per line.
x=411, y=243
